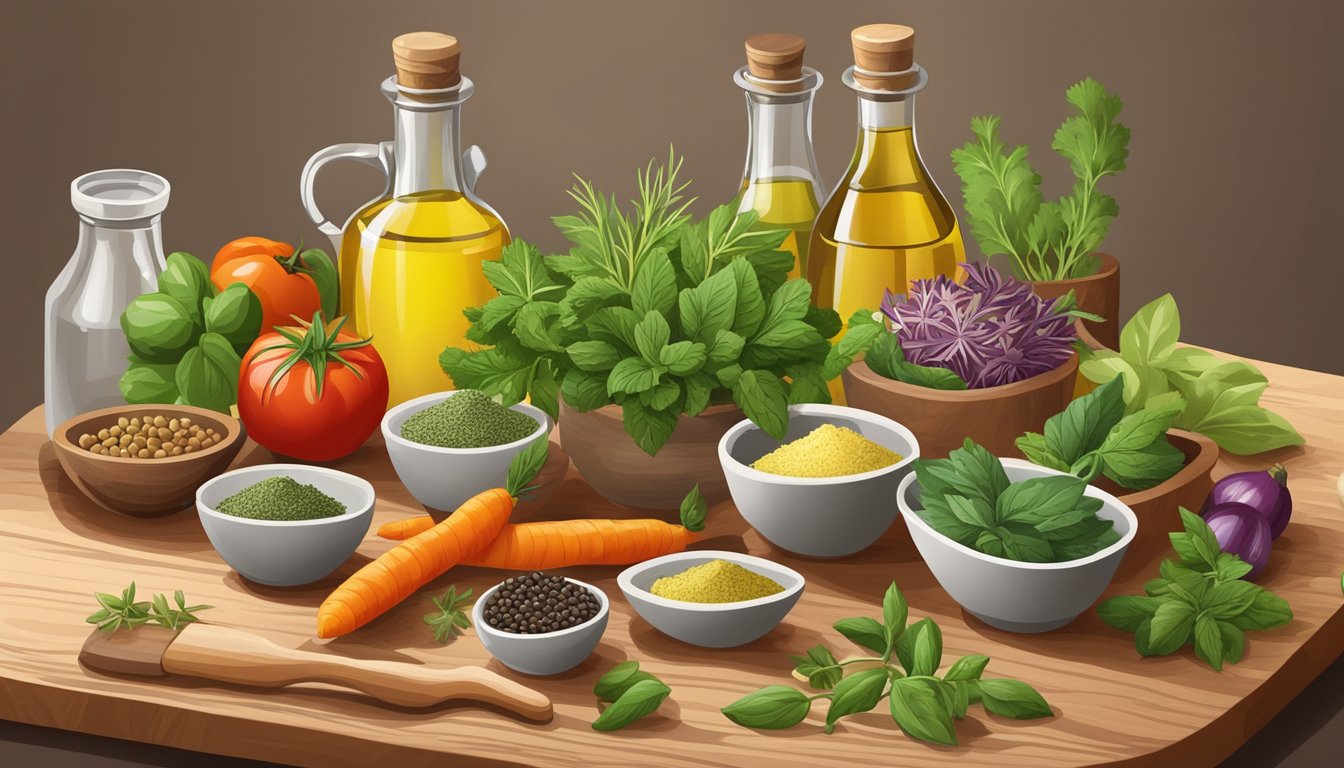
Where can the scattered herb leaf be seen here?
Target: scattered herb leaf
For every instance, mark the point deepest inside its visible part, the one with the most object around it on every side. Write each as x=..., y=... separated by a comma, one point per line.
x=451, y=617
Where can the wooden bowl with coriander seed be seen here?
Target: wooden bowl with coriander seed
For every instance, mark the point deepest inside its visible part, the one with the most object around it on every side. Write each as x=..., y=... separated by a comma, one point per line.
x=146, y=460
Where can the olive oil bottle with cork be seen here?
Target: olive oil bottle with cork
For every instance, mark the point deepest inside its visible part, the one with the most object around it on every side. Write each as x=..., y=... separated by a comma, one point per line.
x=410, y=261
x=780, y=182
x=886, y=224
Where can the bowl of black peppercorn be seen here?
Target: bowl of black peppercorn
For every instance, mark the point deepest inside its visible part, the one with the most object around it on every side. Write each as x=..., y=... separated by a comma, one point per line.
x=541, y=624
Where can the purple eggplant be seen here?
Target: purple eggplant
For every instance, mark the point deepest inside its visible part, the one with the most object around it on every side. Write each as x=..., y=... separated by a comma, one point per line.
x=1242, y=531
x=1266, y=491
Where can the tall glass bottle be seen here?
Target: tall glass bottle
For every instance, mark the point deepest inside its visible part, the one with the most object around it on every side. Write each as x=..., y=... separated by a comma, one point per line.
x=780, y=182
x=119, y=257
x=410, y=261
x=886, y=224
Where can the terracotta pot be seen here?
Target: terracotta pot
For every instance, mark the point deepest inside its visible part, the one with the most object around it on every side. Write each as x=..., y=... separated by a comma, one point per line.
x=622, y=472
x=1098, y=294
x=1158, y=508
x=942, y=419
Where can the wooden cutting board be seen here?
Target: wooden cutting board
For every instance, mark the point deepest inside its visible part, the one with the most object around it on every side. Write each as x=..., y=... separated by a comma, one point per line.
x=1112, y=707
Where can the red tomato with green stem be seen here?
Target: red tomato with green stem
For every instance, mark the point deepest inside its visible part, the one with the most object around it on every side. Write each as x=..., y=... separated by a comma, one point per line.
x=312, y=392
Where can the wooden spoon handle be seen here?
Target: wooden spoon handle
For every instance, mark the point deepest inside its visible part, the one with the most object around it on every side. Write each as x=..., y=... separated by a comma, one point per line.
x=233, y=656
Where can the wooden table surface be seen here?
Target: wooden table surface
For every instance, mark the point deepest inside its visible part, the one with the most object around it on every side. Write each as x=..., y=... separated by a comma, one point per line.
x=1111, y=706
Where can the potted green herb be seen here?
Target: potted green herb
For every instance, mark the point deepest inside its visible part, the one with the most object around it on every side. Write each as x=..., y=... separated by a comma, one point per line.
x=986, y=358
x=1153, y=469
x=1052, y=244
x=650, y=338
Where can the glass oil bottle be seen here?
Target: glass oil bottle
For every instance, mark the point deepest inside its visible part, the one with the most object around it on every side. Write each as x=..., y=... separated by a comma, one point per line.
x=410, y=261
x=886, y=224
x=780, y=182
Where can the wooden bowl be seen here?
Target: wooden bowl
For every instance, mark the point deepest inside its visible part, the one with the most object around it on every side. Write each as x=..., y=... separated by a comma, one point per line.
x=942, y=419
x=1098, y=294
x=1158, y=508
x=145, y=487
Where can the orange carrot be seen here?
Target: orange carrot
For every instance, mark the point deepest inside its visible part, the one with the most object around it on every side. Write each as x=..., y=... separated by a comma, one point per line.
x=400, y=530
x=555, y=544
x=399, y=572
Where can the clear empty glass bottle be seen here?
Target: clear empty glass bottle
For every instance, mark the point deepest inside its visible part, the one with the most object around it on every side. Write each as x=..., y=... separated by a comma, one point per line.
x=780, y=182
x=119, y=257
x=887, y=223
x=410, y=261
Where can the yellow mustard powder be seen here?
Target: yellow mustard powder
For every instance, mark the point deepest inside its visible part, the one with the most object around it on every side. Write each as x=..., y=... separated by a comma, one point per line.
x=717, y=581
x=827, y=451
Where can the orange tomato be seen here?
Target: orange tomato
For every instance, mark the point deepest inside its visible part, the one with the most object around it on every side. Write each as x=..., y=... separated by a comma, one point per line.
x=275, y=275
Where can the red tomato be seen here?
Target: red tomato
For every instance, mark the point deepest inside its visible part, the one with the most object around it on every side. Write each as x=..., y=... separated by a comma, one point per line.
x=309, y=414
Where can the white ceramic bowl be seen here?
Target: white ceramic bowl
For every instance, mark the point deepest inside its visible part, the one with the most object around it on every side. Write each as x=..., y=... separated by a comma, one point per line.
x=817, y=516
x=444, y=478
x=1012, y=595
x=283, y=553
x=710, y=625
x=545, y=654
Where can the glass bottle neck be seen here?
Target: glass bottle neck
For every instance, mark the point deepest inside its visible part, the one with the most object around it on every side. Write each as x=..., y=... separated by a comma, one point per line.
x=877, y=115
x=428, y=150
x=779, y=139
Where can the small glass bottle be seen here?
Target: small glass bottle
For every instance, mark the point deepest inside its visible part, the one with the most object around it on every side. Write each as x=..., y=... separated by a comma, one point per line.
x=780, y=182
x=887, y=223
x=119, y=257
x=410, y=261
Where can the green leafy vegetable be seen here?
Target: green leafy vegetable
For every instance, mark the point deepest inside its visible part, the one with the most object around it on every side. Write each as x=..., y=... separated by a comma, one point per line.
x=968, y=498
x=207, y=376
x=1093, y=436
x=650, y=311
x=923, y=705
x=235, y=313
x=146, y=382
x=159, y=328
x=1002, y=191
x=450, y=618
x=1218, y=399
x=125, y=612
x=1198, y=600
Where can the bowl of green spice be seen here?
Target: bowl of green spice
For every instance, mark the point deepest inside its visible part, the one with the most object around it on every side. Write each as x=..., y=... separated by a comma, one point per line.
x=828, y=489
x=450, y=446
x=710, y=598
x=285, y=524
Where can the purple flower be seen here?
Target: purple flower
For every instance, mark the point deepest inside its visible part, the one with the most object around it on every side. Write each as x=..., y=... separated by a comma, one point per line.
x=990, y=330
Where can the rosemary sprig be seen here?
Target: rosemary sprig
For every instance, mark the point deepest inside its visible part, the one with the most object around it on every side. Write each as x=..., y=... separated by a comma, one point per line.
x=450, y=619
x=124, y=612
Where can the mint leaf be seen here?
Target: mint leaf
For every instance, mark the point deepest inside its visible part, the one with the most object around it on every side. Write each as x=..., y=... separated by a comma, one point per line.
x=584, y=391
x=593, y=356
x=750, y=309
x=709, y=307
x=895, y=611
x=727, y=348
x=973, y=512
x=920, y=648
x=1144, y=468
x=615, y=325
x=649, y=428
x=661, y=397
x=1209, y=642
x=1171, y=626
x=683, y=358
x=521, y=272
x=1267, y=611
x=1127, y=612
x=1234, y=641
x=761, y=396
x=633, y=375
x=699, y=388
x=652, y=333
x=1039, y=500
x=1137, y=431
x=655, y=285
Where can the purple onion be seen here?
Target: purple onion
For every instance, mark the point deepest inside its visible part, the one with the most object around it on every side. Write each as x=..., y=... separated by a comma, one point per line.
x=1242, y=531
x=1266, y=491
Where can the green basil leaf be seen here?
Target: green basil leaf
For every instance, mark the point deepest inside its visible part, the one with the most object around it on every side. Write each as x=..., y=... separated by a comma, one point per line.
x=1025, y=544
x=865, y=632
x=825, y=320
x=650, y=429
x=1230, y=567
x=1127, y=612
x=788, y=302
x=234, y=314
x=846, y=350
x=149, y=383
x=772, y=708
x=761, y=396
x=1170, y=627
x=826, y=670
x=662, y=397
x=1230, y=598
x=728, y=375
x=895, y=612
x=207, y=377
x=587, y=295
x=1032, y=445
x=1013, y=698
x=1150, y=337
x=1039, y=500
x=1084, y=425
x=699, y=388
x=1209, y=642
x=655, y=285
x=858, y=692
x=709, y=307
x=683, y=358
x=1137, y=431
x=918, y=709
x=967, y=668
x=584, y=391
x=186, y=279
x=693, y=510
x=1200, y=538
x=593, y=356
x=652, y=333
x=640, y=700
x=620, y=679
x=322, y=269
x=974, y=512
x=885, y=356
x=920, y=648
x=159, y=328
x=928, y=376
x=806, y=384
x=1142, y=469
x=1234, y=641
x=961, y=697
x=634, y=375
x=1247, y=429
x=974, y=472
x=1267, y=611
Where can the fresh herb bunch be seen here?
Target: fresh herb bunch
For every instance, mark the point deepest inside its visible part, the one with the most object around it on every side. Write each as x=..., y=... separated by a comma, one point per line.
x=451, y=618
x=186, y=339
x=968, y=498
x=124, y=612
x=987, y=331
x=922, y=704
x=653, y=312
x=1200, y=599
x=632, y=693
x=1221, y=398
x=1094, y=436
x=1002, y=191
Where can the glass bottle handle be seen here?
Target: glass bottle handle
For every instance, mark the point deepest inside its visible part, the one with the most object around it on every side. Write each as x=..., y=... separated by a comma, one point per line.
x=375, y=155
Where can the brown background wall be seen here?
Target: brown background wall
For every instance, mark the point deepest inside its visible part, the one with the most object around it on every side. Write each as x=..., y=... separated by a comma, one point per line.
x=1231, y=200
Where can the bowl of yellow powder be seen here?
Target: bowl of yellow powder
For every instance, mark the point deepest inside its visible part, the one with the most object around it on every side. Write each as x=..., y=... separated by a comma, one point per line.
x=828, y=489
x=711, y=598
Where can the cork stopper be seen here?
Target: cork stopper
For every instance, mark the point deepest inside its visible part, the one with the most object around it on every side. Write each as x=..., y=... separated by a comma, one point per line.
x=881, y=50
x=427, y=60
x=774, y=57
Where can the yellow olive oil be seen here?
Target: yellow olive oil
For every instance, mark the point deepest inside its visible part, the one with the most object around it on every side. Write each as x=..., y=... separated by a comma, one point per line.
x=409, y=266
x=786, y=204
